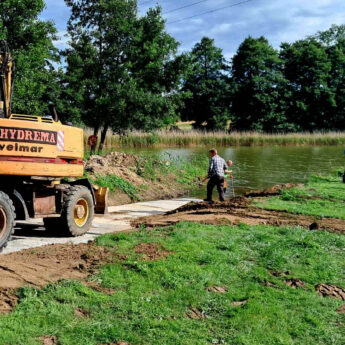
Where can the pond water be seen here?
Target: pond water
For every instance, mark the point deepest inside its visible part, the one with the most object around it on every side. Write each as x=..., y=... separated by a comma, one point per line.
x=261, y=167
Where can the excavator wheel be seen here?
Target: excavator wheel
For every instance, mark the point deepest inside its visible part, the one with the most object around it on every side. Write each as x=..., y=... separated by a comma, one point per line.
x=78, y=211
x=7, y=219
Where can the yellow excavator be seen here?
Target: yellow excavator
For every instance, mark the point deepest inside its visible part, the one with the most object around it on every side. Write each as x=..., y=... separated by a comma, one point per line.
x=40, y=163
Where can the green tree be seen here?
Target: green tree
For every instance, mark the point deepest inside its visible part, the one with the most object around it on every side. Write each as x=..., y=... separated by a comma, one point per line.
x=207, y=84
x=31, y=43
x=257, y=82
x=122, y=70
x=152, y=92
x=308, y=69
x=333, y=40
x=97, y=60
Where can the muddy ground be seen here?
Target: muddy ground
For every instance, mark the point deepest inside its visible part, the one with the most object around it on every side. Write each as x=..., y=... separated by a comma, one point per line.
x=40, y=266
x=239, y=211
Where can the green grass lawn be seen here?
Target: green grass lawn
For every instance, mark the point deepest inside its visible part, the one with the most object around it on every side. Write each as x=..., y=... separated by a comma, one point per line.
x=153, y=299
x=320, y=197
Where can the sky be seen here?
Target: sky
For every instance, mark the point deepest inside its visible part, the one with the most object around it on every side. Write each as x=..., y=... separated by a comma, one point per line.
x=230, y=21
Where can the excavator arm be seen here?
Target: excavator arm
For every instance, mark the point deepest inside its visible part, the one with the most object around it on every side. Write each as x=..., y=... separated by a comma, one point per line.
x=6, y=80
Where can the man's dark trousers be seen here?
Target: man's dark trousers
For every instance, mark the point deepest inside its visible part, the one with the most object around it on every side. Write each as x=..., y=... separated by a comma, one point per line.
x=216, y=181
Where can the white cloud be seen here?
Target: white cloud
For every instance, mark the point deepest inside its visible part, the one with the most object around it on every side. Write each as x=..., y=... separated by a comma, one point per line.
x=62, y=42
x=277, y=20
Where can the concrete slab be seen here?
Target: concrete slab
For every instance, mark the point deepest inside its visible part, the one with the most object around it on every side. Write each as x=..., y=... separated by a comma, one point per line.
x=32, y=234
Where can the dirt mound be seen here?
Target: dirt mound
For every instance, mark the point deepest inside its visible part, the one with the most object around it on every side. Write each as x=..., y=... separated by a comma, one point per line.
x=275, y=190
x=237, y=211
x=237, y=202
x=131, y=168
x=115, y=163
x=37, y=267
x=151, y=251
x=329, y=290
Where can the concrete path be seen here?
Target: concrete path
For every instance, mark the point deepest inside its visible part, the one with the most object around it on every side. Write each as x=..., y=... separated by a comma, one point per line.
x=32, y=234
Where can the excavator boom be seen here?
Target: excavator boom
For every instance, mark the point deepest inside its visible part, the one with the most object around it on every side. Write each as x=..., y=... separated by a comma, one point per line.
x=6, y=80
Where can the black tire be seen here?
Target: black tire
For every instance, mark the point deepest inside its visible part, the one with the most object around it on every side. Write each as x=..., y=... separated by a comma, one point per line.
x=7, y=219
x=71, y=224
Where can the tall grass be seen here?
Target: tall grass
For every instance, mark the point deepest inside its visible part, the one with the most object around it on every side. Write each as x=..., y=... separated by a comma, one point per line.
x=200, y=138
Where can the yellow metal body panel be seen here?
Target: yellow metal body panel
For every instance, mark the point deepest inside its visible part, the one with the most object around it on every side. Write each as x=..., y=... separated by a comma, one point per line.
x=40, y=147
x=101, y=194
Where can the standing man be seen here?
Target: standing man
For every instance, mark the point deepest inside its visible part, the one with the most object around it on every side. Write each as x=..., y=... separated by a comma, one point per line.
x=216, y=176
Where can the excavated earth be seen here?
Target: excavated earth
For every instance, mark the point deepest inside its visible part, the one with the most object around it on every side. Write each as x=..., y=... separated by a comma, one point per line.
x=130, y=168
x=238, y=211
x=37, y=267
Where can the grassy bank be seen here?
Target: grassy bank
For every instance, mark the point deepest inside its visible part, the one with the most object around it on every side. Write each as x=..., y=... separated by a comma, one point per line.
x=206, y=285
x=133, y=178
x=319, y=197
x=197, y=284
x=199, y=138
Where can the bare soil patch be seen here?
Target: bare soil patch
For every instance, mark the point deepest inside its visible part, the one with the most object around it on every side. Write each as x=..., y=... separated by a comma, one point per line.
x=329, y=290
x=279, y=274
x=39, y=266
x=269, y=284
x=236, y=211
x=271, y=191
x=120, y=343
x=48, y=340
x=294, y=283
x=239, y=303
x=98, y=288
x=80, y=312
x=151, y=251
x=8, y=300
x=196, y=314
x=341, y=310
x=217, y=289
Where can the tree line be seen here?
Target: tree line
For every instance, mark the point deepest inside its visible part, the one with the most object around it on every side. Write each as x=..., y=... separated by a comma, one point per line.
x=122, y=71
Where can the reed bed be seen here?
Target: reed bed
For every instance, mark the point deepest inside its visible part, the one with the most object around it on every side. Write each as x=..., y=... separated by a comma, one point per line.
x=200, y=138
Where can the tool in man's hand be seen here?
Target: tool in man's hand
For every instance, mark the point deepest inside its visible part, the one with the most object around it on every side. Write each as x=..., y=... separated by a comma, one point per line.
x=232, y=184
